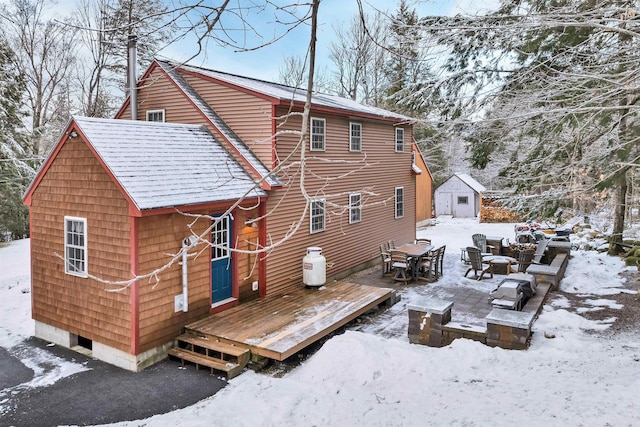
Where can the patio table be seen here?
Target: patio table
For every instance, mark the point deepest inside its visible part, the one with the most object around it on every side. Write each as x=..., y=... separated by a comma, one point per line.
x=503, y=262
x=415, y=252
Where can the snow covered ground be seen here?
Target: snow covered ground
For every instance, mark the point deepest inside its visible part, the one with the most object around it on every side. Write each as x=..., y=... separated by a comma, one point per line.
x=372, y=376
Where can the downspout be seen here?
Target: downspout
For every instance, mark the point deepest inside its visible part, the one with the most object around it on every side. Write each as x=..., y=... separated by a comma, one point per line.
x=186, y=243
x=133, y=86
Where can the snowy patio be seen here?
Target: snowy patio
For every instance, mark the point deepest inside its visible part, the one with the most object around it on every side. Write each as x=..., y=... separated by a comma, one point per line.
x=581, y=367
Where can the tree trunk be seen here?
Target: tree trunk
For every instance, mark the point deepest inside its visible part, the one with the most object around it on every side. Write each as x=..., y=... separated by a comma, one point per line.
x=618, y=220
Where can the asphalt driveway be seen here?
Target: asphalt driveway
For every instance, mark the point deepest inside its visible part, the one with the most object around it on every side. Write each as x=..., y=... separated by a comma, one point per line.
x=103, y=394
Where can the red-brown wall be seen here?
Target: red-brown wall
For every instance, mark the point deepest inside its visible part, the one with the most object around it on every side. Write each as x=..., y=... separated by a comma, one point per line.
x=76, y=185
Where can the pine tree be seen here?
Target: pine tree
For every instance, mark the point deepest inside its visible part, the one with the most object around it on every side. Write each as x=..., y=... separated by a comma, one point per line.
x=16, y=167
x=554, y=83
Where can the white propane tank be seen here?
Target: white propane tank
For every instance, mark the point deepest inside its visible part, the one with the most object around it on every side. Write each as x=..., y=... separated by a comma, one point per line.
x=314, y=267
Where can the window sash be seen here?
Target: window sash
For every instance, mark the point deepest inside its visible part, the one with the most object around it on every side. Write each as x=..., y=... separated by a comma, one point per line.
x=399, y=140
x=155, y=116
x=355, y=208
x=399, y=202
x=220, y=235
x=318, y=134
x=463, y=200
x=355, y=137
x=317, y=216
x=75, y=246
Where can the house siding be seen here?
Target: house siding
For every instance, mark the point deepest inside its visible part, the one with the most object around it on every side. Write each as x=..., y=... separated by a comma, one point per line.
x=250, y=117
x=344, y=245
x=76, y=185
x=159, y=237
x=162, y=235
x=424, y=189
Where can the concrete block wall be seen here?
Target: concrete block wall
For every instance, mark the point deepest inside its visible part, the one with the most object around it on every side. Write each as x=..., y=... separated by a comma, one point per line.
x=426, y=320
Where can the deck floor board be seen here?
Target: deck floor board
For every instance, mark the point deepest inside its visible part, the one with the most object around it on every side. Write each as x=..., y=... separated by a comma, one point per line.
x=278, y=326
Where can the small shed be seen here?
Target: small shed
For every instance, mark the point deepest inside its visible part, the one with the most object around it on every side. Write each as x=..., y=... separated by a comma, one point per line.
x=459, y=196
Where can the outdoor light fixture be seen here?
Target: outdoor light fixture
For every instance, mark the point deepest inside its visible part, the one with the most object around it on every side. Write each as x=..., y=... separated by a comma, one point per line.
x=250, y=222
x=72, y=134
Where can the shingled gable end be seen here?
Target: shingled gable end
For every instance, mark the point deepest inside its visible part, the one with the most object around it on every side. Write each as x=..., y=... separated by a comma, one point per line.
x=121, y=189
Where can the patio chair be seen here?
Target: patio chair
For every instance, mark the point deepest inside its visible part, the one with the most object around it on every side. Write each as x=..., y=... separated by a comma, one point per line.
x=385, y=258
x=390, y=245
x=541, y=247
x=427, y=266
x=475, y=258
x=440, y=265
x=525, y=258
x=480, y=242
x=422, y=241
x=401, y=266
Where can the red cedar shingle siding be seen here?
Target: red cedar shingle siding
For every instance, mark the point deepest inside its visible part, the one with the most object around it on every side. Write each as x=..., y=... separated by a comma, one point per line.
x=76, y=185
x=160, y=236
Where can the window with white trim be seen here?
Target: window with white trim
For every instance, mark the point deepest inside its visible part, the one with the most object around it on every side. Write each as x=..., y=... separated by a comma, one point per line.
x=399, y=140
x=355, y=136
x=355, y=208
x=317, y=216
x=318, y=134
x=463, y=200
x=75, y=246
x=399, y=202
x=155, y=115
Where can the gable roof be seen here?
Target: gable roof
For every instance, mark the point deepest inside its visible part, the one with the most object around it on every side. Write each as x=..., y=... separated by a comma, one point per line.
x=475, y=185
x=216, y=121
x=160, y=165
x=286, y=94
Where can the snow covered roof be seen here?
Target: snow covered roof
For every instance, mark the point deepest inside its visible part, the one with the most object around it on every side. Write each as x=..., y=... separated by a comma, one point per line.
x=217, y=121
x=166, y=164
x=288, y=93
x=475, y=185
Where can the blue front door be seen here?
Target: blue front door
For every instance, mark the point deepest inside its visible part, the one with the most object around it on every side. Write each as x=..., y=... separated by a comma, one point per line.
x=221, y=260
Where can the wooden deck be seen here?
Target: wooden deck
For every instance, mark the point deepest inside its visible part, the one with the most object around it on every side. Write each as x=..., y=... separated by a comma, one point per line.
x=279, y=326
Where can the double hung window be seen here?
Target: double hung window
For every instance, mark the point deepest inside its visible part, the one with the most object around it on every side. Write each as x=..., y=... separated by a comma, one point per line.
x=318, y=134
x=75, y=246
x=355, y=136
x=399, y=202
x=317, y=217
x=399, y=140
x=355, y=208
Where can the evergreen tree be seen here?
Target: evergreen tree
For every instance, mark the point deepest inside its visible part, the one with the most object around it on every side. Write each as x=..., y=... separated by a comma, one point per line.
x=405, y=71
x=555, y=84
x=16, y=167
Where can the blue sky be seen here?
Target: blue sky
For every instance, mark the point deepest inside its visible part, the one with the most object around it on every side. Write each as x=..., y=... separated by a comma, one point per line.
x=265, y=62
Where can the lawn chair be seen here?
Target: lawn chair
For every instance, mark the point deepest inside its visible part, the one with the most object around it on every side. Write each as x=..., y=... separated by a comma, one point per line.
x=525, y=258
x=480, y=242
x=422, y=241
x=401, y=266
x=440, y=266
x=390, y=245
x=427, y=266
x=540, y=249
x=475, y=258
x=385, y=258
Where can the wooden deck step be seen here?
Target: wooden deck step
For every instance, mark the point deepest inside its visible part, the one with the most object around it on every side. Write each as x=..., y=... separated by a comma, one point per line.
x=231, y=369
x=213, y=344
x=214, y=354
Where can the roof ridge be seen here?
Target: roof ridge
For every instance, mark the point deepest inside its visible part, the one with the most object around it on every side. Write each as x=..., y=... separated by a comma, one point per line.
x=240, y=146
